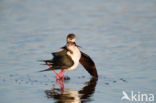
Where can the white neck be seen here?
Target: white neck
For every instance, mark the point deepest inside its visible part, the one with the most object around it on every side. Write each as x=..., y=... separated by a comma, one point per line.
x=75, y=55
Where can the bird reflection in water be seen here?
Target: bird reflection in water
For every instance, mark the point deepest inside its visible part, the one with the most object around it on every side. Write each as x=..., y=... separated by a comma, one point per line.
x=64, y=95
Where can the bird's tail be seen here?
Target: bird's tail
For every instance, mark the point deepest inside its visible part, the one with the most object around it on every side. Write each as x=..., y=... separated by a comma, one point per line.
x=49, y=69
x=46, y=61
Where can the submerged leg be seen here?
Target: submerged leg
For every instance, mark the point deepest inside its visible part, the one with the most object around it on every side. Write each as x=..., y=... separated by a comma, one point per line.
x=62, y=86
x=63, y=74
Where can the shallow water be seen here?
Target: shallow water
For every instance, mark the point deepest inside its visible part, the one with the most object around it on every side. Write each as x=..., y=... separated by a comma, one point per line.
x=119, y=35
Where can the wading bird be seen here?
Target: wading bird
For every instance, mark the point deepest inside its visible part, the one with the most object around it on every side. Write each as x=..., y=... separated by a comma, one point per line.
x=68, y=59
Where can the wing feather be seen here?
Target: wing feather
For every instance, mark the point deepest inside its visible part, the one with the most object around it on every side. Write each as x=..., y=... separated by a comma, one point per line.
x=88, y=64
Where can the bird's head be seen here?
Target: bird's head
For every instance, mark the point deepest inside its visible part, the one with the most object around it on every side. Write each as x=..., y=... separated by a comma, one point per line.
x=71, y=38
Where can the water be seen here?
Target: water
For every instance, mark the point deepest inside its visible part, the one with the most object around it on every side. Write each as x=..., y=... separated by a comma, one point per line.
x=119, y=35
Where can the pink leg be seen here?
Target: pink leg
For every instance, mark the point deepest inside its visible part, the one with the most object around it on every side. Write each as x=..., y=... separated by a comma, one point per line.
x=61, y=80
x=59, y=75
x=62, y=87
x=53, y=70
x=63, y=74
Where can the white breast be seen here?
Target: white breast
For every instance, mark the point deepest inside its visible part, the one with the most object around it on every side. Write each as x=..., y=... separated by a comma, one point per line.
x=76, y=55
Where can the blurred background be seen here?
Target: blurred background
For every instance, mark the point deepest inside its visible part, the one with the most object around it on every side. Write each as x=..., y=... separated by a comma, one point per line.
x=119, y=35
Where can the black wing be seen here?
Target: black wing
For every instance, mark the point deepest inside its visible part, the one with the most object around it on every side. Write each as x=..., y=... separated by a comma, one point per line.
x=60, y=61
x=88, y=64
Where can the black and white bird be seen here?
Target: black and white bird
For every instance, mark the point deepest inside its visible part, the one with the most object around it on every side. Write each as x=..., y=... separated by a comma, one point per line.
x=69, y=58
